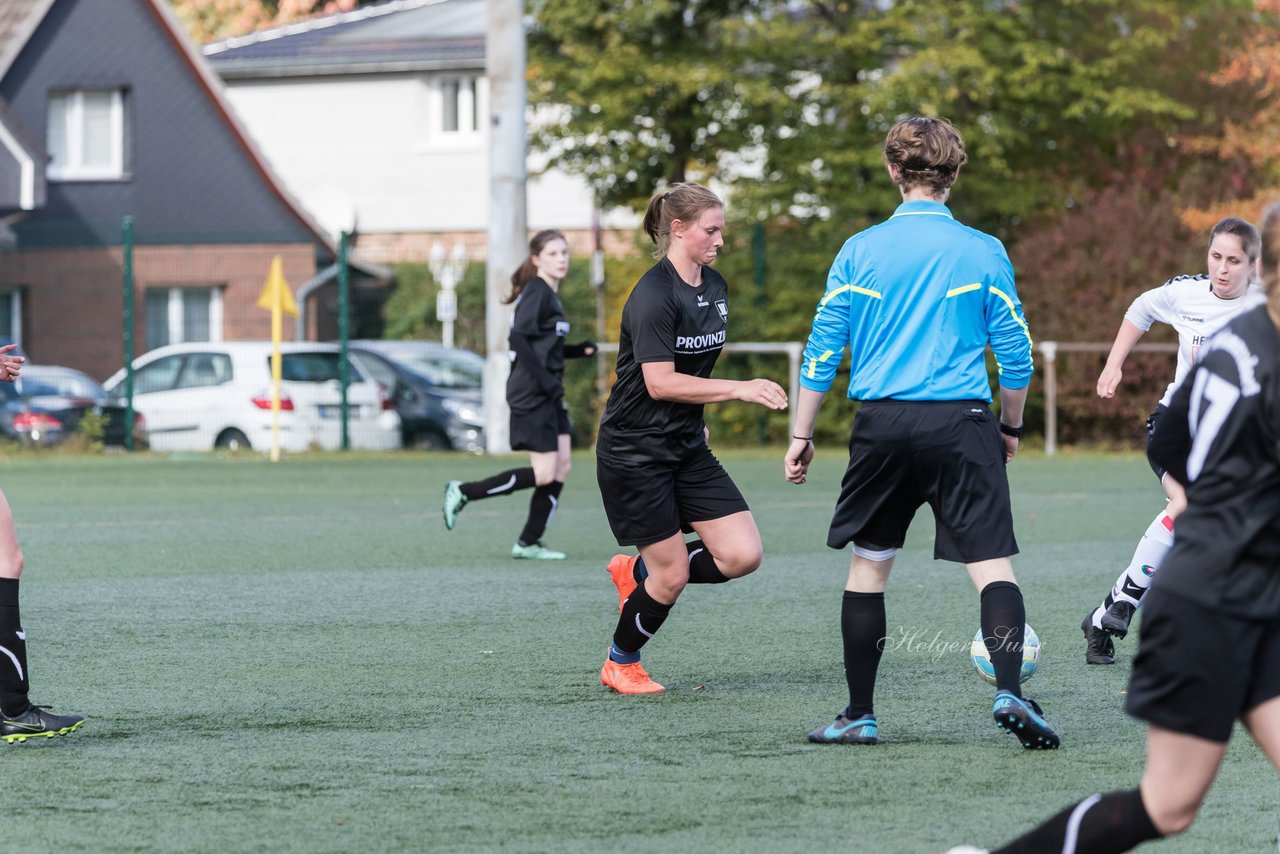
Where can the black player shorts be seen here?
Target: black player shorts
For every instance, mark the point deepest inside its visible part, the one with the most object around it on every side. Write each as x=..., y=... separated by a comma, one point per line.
x=905, y=453
x=539, y=430
x=1197, y=670
x=648, y=501
x=1152, y=420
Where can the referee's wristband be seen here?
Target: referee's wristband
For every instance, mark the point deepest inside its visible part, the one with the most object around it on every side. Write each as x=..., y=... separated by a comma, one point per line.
x=1015, y=432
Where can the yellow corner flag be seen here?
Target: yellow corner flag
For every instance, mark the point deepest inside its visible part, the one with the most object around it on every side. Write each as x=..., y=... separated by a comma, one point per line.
x=277, y=299
x=275, y=293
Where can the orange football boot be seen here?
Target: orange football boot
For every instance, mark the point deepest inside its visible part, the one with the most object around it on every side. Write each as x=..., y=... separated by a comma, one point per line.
x=622, y=571
x=628, y=678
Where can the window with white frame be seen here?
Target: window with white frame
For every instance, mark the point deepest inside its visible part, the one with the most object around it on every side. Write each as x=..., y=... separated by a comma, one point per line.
x=455, y=108
x=178, y=315
x=86, y=135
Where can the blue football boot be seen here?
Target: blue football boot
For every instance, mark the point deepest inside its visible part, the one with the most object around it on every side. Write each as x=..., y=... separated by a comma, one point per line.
x=1023, y=718
x=863, y=730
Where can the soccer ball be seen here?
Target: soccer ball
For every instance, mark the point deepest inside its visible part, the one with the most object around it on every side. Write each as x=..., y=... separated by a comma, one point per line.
x=982, y=660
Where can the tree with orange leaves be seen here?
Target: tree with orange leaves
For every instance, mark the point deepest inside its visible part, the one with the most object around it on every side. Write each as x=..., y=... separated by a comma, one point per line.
x=209, y=20
x=1249, y=138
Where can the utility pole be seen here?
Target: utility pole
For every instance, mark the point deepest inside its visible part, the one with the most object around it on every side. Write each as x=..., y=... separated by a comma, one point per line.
x=508, y=230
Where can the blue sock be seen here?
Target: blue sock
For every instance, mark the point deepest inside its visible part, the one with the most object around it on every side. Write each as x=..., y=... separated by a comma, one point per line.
x=640, y=572
x=621, y=657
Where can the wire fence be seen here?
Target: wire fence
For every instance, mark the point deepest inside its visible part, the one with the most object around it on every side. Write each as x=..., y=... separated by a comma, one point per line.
x=1047, y=379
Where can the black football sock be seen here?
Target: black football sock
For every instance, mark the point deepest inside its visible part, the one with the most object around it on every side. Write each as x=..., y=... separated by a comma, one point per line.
x=862, y=626
x=1003, y=618
x=702, y=566
x=500, y=484
x=1102, y=824
x=542, y=507
x=14, y=684
x=640, y=620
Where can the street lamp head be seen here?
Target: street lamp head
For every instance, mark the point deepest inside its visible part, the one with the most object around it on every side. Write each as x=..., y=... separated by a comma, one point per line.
x=448, y=271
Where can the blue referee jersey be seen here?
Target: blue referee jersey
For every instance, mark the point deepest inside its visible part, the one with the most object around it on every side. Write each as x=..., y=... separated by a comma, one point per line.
x=917, y=299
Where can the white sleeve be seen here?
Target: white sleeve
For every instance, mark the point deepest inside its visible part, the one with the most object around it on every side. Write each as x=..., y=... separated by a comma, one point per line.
x=1150, y=307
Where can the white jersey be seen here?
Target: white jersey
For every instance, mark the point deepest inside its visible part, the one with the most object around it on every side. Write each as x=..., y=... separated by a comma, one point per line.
x=1189, y=305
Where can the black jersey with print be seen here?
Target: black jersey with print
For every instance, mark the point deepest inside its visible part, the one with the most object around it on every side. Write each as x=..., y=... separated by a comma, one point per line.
x=664, y=320
x=538, y=330
x=1221, y=437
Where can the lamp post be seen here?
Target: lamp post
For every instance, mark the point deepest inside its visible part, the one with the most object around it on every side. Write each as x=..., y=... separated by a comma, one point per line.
x=448, y=272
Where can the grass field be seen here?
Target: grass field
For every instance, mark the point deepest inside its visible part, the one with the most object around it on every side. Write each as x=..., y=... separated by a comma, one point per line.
x=298, y=657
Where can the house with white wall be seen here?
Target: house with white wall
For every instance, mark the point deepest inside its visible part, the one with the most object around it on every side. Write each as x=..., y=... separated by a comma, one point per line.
x=376, y=119
x=109, y=114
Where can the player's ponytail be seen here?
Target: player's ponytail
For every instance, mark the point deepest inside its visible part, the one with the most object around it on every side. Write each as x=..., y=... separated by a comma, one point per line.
x=685, y=202
x=1271, y=257
x=527, y=271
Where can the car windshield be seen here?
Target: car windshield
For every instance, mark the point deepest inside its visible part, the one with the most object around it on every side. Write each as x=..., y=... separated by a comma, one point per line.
x=313, y=368
x=42, y=384
x=448, y=371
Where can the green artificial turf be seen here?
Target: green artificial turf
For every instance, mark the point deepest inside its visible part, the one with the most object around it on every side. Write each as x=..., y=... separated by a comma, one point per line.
x=298, y=657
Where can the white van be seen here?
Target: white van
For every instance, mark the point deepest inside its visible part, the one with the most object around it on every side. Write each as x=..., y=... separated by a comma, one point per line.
x=204, y=395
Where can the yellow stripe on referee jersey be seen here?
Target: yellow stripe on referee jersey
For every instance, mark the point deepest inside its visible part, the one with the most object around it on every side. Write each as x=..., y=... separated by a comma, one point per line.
x=813, y=363
x=1013, y=311
x=857, y=290
x=964, y=289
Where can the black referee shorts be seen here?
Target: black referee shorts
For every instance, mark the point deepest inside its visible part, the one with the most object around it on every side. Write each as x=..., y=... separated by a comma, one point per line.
x=1152, y=420
x=539, y=429
x=1198, y=670
x=647, y=501
x=947, y=453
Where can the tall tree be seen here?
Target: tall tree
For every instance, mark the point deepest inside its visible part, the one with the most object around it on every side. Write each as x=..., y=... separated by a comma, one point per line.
x=641, y=92
x=788, y=100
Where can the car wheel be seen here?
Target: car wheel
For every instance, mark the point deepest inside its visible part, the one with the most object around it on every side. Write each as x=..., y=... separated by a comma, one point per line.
x=232, y=440
x=429, y=440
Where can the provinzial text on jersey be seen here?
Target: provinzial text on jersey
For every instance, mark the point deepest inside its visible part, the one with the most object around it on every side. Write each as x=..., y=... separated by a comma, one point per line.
x=699, y=342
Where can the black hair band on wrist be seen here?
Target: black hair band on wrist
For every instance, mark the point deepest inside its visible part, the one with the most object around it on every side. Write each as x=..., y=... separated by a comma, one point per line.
x=808, y=439
x=1015, y=432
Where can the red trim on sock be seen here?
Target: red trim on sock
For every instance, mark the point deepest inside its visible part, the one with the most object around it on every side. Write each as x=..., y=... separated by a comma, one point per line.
x=1167, y=522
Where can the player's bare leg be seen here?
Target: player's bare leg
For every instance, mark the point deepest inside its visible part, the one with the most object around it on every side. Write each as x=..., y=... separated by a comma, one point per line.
x=19, y=719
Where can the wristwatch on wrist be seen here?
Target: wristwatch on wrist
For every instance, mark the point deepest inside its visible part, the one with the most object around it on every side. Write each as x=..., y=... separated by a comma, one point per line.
x=1015, y=432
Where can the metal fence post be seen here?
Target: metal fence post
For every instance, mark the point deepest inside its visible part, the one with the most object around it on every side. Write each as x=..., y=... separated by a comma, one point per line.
x=795, y=352
x=127, y=251
x=1049, y=349
x=344, y=332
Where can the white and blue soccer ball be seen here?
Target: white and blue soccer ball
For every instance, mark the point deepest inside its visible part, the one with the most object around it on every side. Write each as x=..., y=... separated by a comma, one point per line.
x=982, y=659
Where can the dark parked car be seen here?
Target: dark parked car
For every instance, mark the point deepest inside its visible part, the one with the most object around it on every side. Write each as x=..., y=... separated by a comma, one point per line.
x=46, y=404
x=436, y=391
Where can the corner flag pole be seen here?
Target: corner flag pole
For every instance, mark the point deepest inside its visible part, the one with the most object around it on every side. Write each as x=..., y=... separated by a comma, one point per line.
x=277, y=298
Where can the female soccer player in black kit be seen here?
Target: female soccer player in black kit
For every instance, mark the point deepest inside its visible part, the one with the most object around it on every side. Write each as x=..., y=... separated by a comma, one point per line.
x=535, y=394
x=1210, y=647
x=657, y=476
x=19, y=719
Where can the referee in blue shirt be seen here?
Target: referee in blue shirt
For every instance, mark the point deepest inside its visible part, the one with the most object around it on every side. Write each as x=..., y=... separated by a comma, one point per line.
x=917, y=299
